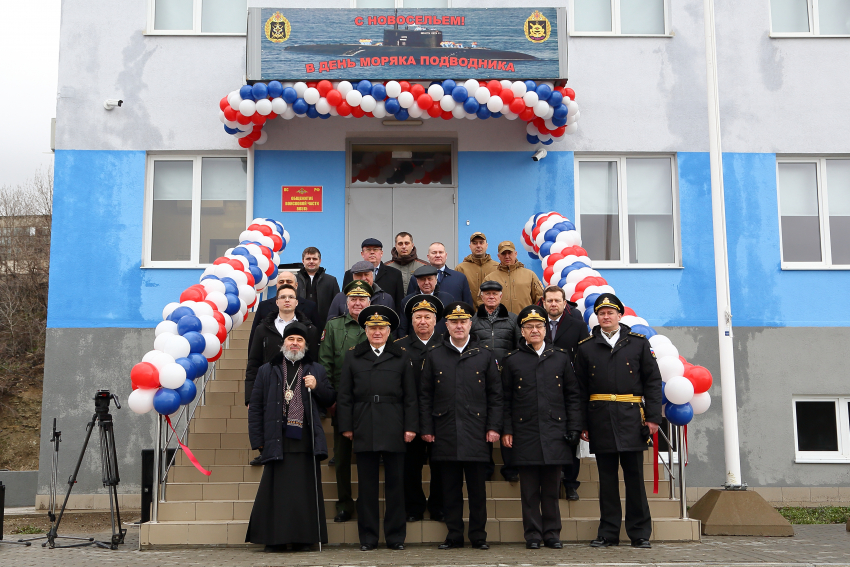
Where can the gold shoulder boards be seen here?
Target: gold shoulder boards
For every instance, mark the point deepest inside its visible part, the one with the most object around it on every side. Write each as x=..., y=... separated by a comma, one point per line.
x=584, y=340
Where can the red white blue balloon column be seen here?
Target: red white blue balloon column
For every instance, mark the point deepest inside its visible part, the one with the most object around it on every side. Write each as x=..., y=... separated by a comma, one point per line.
x=549, y=110
x=193, y=330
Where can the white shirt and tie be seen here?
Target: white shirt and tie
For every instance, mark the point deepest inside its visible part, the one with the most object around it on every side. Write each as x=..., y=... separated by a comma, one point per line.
x=460, y=348
x=553, y=327
x=612, y=340
x=379, y=350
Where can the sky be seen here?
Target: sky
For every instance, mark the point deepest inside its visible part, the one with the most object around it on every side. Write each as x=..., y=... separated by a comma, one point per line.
x=29, y=67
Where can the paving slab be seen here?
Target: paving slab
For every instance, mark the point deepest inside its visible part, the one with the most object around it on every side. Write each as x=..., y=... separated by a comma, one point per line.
x=811, y=545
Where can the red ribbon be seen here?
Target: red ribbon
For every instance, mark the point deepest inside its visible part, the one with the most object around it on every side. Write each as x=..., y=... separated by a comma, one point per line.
x=186, y=450
x=686, y=445
x=655, y=462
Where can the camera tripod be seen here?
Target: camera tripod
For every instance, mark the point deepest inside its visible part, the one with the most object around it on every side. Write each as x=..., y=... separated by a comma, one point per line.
x=109, y=468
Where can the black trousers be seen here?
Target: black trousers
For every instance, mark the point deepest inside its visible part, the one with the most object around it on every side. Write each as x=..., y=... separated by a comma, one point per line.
x=453, y=473
x=539, y=488
x=571, y=474
x=415, y=502
x=638, y=519
x=342, y=468
x=508, y=469
x=368, y=511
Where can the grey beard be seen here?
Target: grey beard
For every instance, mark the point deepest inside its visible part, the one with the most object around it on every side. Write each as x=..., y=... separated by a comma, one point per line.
x=294, y=356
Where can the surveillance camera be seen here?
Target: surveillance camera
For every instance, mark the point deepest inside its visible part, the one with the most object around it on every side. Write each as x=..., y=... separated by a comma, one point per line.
x=111, y=103
x=539, y=154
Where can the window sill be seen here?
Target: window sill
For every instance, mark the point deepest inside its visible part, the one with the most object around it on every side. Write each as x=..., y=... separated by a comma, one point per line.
x=806, y=35
x=191, y=33
x=602, y=266
x=610, y=34
x=176, y=266
x=812, y=267
x=835, y=461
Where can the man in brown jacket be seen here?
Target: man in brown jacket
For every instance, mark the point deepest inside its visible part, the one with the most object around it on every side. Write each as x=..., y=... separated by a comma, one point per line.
x=520, y=286
x=477, y=265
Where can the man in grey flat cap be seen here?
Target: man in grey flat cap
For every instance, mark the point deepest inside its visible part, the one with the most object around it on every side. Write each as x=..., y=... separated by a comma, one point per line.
x=362, y=270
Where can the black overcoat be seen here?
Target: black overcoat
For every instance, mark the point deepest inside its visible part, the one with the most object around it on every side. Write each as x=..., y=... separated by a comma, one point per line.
x=377, y=398
x=417, y=351
x=569, y=332
x=461, y=401
x=542, y=401
x=628, y=368
x=265, y=413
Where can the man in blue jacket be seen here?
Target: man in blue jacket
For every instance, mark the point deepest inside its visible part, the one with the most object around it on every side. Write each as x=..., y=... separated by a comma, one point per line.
x=450, y=281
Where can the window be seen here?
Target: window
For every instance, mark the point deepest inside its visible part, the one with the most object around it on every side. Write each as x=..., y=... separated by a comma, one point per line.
x=821, y=429
x=814, y=212
x=184, y=17
x=195, y=208
x=401, y=4
x=619, y=17
x=809, y=18
x=402, y=164
x=627, y=211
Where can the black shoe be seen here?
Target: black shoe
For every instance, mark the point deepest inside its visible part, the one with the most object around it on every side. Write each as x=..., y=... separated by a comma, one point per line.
x=342, y=517
x=512, y=478
x=302, y=547
x=332, y=462
x=414, y=518
x=448, y=544
x=438, y=517
x=481, y=544
x=274, y=548
x=641, y=543
x=367, y=547
x=553, y=543
x=396, y=546
x=532, y=544
x=256, y=462
x=572, y=494
x=603, y=542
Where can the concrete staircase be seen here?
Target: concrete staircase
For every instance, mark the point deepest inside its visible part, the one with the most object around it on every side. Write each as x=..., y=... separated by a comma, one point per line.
x=214, y=510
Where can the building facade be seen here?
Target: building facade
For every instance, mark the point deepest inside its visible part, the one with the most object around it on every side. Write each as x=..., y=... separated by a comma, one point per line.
x=155, y=189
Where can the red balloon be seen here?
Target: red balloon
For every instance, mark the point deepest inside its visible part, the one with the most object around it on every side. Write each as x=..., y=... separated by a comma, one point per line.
x=700, y=377
x=237, y=265
x=541, y=125
x=272, y=115
x=258, y=119
x=211, y=304
x=447, y=115
x=220, y=260
x=222, y=333
x=357, y=112
x=245, y=142
x=216, y=357
x=255, y=135
x=629, y=311
x=534, y=232
x=576, y=296
x=526, y=237
x=144, y=375
x=242, y=119
x=218, y=317
x=579, y=251
x=266, y=252
x=548, y=273
x=251, y=280
x=265, y=229
x=600, y=281
x=278, y=242
x=555, y=257
x=495, y=87
x=343, y=108
x=229, y=114
x=369, y=114
x=191, y=295
x=312, y=85
x=383, y=158
x=426, y=178
x=507, y=96
x=683, y=359
x=558, y=132
x=424, y=100
x=569, y=93
x=526, y=115
x=254, y=226
x=517, y=105
x=417, y=90
x=324, y=87
x=334, y=97
x=435, y=110
x=405, y=86
x=223, y=104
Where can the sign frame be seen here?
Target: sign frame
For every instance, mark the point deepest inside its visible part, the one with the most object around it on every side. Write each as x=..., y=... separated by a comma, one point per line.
x=301, y=203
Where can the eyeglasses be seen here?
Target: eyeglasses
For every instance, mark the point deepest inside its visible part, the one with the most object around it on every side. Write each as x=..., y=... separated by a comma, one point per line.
x=538, y=327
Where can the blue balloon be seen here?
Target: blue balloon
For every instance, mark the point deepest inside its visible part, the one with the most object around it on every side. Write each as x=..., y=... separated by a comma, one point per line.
x=543, y=92
x=256, y=272
x=300, y=106
x=551, y=234
x=555, y=98
x=246, y=92
x=187, y=392
x=532, y=139
x=260, y=91
x=470, y=105
x=181, y=311
x=533, y=256
x=232, y=303
x=230, y=285
x=483, y=112
x=197, y=342
x=274, y=268
x=559, y=122
x=365, y=87
x=590, y=300
x=200, y=362
x=242, y=251
x=289, y=94
x=311, y=111
x=324, y=116
x=664, y=400
x=188, y=324
x=578, y=265
x=448, y=86
x=644, y=330
x=587, y=314
x=210, y=277
x=496, y=115
x=679, y=414
x=545, y=248
x=565, y=225
x=547, y=142
x=392, y=105
x=230, y=130
x=166, y=401
x=379, y=92
x=562, y=282
x=189, y=367
x=402, y=114
x=459, y=93
x=561, y=111
x=275, y=89
x=530, y=85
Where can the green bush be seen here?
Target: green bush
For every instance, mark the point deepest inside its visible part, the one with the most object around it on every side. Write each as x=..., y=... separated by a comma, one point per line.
x=822, y=515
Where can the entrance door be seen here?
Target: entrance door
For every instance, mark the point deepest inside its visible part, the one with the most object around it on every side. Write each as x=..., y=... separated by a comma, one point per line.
x=426, y=212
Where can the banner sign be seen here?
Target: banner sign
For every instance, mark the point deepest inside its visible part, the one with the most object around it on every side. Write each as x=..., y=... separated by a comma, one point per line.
x=290, y=44
x=300, y=199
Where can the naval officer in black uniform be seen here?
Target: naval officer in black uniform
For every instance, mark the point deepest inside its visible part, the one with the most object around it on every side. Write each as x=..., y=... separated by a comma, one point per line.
x=621, y=384
x=377, y=410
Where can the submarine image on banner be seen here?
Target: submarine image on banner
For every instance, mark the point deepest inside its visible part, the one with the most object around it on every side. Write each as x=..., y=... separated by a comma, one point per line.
x=415, y=41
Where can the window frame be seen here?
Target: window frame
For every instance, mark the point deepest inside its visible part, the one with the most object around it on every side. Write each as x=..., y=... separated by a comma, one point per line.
x=194, y=243
x=400, y=4
x=841, y=456
x=813, y=8
x=622, y=200
x=197, y=6
x=616, y=24
x=823, y=215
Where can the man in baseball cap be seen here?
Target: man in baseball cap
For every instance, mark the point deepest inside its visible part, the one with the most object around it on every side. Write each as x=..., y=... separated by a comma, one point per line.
x=520, y=286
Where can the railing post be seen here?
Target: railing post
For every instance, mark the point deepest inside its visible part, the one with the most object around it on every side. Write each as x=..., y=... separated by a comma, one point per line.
x=157, y=454
x=683, y=497
x=672, y=486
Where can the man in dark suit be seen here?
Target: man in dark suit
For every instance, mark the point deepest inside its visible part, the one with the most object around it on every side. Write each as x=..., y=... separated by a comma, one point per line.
x=388, y=278
x=564, y=331
x=450, y=281
x=265, y=307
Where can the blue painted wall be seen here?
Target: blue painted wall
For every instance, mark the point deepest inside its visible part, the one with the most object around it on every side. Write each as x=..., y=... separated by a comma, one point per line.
x=762, y=293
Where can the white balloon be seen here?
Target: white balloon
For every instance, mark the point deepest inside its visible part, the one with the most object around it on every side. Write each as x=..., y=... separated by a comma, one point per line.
x=353, y=97
x=158, y=358
x=380, y=110
x=208, y=324
x=203, y=309
x=247, y=107
x=592, y=321
x=233, y=99
x=300, y=88
x=243, y=307
x=169, y=308
x=213, y=345
x=212, y=285
x=228, y=322
x=240, y=278
x=530, y=98
x=262, y=263
x=237, y=318
x=264, y=107
x=495, y=104
x=177, y=347
x=531, y=129
x=289, y=113
x=482, y=95
x=166, y=327
x=436, y=92
x=509, y=115
x=471, y=86
x=279, y=105
x=311, y=95
x=247, y=294
x=405, y=99
x=572, y=107
x=368, y=103
x=141, y=400
x=265, y=241
x=447, y=103
x=415, y=111
x=458, y=111
x=217, y=297
x=663, y=347
x=172, y=376
x=700, y=403
x=671, y=367
x=163, y=339
x=393, y=89
x=541, y=108
x=679, y=390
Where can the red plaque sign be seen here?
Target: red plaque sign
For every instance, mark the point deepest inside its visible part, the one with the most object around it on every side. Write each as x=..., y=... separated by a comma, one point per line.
x=301, y=199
